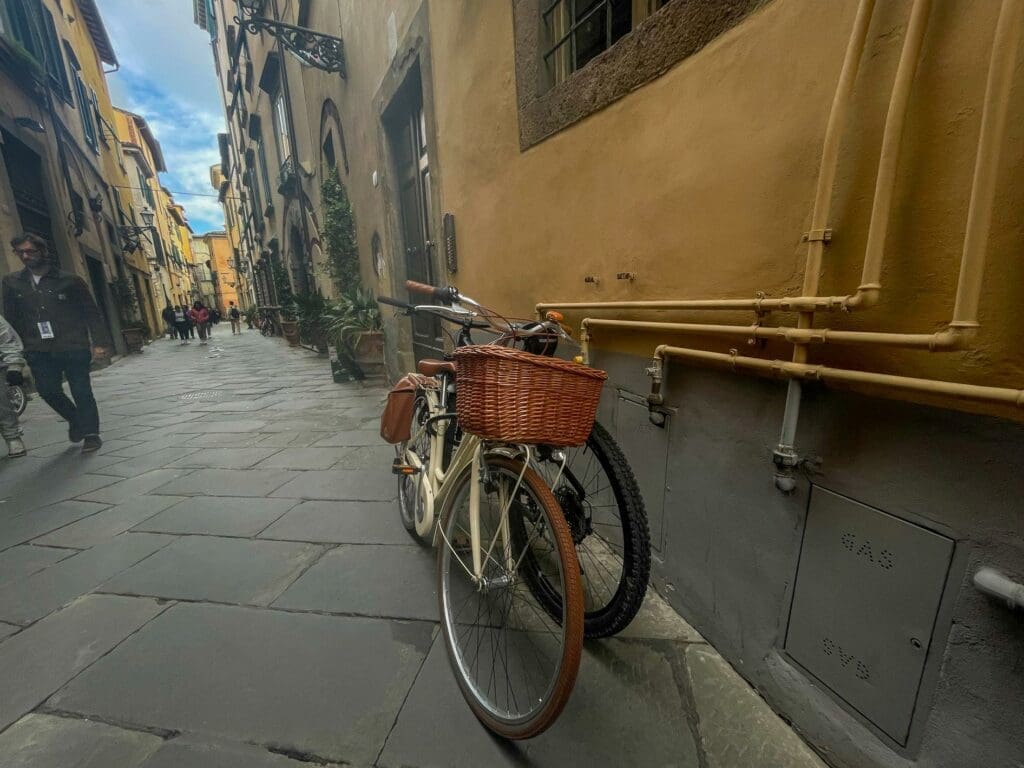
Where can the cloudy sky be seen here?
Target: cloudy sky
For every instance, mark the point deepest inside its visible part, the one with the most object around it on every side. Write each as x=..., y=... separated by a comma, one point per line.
x=167, y=76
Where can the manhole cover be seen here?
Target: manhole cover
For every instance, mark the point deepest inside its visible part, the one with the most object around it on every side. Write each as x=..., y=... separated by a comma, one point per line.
x=201, y=396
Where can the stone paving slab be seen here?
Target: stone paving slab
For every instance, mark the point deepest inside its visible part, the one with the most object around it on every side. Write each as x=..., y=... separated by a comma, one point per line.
x=47, y=741
x=186, y=752
x=341, y=485
x=104, y=525
x=309, y=684
x=37, y=493
x=369, y=580
x=22, y=561
x=305, y=458
x=35, y=662
x=25, y=526
x=378, y=458
x=291, y=439
x=206, y=425
x=159, y=459
x=341, y=522
x=218, y=516
x=223, y=440
x=122, y=491
x=737, y=727
x=225, y=458
x=6, y=630
x=626, y=710
x=44, y=592
x=352, y=438
x=163, y=442
x=238, y=571
x=227, y=482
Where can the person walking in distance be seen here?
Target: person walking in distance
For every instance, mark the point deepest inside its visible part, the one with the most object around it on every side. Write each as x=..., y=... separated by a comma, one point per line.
x=236, y=318
x=63, y=332
x=181, y=322
x=11, y=363
x=201, y=317
x=168, y=318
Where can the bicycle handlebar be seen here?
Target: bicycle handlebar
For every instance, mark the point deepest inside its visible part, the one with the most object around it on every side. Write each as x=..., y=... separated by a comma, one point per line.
x=444, y=295
x=393, y=302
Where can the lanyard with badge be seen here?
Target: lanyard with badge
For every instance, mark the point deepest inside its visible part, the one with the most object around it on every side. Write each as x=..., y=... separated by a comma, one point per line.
x=45, y=326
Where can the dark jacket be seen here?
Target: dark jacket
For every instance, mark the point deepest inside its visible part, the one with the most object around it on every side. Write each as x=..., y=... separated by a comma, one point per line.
x=168, y=315
x=63, y=300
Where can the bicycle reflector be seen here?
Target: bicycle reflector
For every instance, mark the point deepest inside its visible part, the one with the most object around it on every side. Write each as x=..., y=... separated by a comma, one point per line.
x=556, y=317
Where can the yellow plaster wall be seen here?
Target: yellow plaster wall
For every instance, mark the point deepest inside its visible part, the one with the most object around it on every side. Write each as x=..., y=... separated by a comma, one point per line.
x=702, y=181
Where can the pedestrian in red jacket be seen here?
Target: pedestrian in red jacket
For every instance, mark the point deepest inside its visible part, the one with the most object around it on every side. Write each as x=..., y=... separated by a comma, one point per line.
x=201, y=317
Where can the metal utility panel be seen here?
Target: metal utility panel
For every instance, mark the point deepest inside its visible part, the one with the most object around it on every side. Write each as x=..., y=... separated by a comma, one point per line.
x=867, y=593
x=646, y=449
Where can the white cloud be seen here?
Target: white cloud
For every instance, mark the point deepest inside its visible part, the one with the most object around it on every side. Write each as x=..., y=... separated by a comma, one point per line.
x=167, y=76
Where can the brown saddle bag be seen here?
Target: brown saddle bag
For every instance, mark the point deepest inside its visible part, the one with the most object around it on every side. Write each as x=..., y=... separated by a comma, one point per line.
x=396, y=420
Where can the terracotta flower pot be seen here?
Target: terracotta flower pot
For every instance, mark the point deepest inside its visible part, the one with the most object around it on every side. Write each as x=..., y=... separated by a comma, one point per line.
x=134, y=339
x=369, y=352
x=290, y=329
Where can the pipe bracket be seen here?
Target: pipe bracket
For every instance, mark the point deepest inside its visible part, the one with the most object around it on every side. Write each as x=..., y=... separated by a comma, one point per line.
x=817, y=235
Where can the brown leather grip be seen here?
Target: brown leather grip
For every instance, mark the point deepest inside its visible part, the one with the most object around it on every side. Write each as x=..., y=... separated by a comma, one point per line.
x=414, y=287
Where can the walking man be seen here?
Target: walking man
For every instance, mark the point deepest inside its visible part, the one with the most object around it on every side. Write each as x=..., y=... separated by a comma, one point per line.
x=236, y=318
x=168, y=317
x=63, y=332
x=11, y=363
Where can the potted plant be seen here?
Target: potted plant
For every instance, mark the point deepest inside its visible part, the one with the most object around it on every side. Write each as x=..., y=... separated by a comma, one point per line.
x=286, y=301
x=309, y=312
x=354, y=320
x=133, y=330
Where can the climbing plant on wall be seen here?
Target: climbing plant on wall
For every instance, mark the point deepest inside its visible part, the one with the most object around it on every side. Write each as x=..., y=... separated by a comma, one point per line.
x=339, y=234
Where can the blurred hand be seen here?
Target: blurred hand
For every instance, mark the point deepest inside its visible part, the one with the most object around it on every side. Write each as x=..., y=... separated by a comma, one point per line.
x=15, y=377
x=100, y=353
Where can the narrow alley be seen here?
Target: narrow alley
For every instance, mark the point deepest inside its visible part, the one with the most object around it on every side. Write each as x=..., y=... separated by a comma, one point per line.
x=227, y=583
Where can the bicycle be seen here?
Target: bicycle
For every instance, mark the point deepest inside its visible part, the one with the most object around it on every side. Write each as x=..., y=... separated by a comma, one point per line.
x=597, y=493
x=500, y=532
x=268, y=325
x=597, y=489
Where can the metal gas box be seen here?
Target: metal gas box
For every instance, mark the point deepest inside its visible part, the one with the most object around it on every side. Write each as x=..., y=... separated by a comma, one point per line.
x=867, y=593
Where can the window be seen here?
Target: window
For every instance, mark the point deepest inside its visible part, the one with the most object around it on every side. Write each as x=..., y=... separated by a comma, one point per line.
x=16, y=24
x=261, y=154
x=329, y=159
x=55, y=68
x=86, y=103
x=578, y=30
x=575, y=57
x=281, y=126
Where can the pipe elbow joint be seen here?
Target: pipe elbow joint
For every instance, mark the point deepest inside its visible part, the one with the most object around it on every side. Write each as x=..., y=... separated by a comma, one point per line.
x=955, y=336
x=867, y=296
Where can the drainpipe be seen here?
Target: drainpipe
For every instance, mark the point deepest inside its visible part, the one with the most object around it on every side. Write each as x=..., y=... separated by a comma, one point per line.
x=990, y=141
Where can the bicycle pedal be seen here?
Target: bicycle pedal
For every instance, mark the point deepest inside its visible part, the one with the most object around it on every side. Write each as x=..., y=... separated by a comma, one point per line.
x=399, y=468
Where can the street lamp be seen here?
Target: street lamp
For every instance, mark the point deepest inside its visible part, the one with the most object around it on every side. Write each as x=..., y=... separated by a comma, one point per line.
x=131, y=234
x=314, y=49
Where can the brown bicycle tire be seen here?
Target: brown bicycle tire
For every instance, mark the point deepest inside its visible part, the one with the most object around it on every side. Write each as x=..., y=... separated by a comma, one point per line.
x=573, y=647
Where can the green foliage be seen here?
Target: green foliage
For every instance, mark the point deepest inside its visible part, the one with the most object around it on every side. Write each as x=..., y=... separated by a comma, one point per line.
x=339, y=235
x=351, y=314
x=127, y=302
x=283, y=289
x=309, y=311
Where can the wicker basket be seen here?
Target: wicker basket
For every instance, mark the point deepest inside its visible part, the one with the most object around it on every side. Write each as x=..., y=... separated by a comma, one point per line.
x=517, y=397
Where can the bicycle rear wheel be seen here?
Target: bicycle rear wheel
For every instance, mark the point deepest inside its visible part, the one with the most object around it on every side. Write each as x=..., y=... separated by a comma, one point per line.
x=601, y=501
x=515, y=663
x=410, y=500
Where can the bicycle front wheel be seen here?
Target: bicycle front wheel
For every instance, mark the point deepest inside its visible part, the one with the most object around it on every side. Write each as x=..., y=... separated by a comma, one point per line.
x=514, y=661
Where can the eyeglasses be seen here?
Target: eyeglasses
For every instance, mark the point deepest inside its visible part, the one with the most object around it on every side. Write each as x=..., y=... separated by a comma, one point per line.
x=27, y=251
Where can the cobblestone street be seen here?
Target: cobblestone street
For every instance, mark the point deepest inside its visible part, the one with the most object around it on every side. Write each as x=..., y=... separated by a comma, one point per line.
x=227, y=583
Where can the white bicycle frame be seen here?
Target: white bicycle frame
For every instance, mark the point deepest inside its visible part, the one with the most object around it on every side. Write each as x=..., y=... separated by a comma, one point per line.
x=433, y=487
